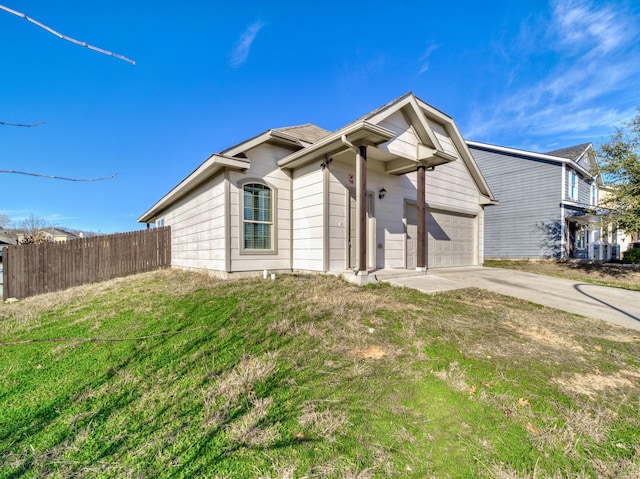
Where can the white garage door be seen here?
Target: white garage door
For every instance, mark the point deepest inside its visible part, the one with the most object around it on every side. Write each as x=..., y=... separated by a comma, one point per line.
x=451, y=239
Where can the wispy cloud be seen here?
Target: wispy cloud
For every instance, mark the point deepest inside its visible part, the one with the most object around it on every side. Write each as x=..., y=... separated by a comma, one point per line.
x=424, y=59
x=585, y=89
x=582, y=25
x=240, y=53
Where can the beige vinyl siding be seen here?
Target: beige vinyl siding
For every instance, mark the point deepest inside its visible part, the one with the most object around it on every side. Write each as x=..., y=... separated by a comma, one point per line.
x=338, y=204
x=443, y=138
x=385, y=226
x=263, y=169
x=389, y=213
x=198, y=228
x=308, y=218
x=405, y=142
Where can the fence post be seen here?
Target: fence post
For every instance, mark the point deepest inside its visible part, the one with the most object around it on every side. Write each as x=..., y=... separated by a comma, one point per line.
x=5, y=262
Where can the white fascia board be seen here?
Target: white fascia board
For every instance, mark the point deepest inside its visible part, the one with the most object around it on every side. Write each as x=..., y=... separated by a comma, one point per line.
x=531, y=154
x=247, y=144
x=269, y=135
x=206, y=170
x=362, y=130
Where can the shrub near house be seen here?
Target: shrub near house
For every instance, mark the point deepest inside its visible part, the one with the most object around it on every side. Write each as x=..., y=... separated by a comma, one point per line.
x=632, y=255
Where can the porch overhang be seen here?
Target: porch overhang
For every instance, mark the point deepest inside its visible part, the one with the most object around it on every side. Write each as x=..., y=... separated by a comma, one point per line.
x=585, y=219
x=363, y=133
x=211, y=167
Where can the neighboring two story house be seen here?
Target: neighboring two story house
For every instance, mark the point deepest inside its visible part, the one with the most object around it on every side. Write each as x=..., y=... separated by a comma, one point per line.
x=548, y=203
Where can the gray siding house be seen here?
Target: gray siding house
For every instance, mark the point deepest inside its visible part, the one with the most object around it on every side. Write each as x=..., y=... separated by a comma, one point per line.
x=548, y=203
x=396, y=189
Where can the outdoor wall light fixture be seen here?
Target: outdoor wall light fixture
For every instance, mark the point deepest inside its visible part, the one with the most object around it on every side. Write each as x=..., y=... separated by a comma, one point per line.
x=382, y=193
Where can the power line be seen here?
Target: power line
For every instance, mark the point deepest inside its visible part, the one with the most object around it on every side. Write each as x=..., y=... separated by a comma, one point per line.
x=64, y=37
x=58, y=177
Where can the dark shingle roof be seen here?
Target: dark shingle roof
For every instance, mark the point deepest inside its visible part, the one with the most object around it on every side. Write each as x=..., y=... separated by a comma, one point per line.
x=571, y=152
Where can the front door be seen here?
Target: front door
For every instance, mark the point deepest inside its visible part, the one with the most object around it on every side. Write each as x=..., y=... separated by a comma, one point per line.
x=572, y=239
x=411, y=225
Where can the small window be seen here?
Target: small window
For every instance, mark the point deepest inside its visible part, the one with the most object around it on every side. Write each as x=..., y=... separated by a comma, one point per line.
x=257, y=220
x=594, y=195
x=160, y=223
x=573, y=186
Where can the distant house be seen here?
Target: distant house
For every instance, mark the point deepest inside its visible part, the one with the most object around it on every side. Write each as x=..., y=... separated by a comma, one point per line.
x=395, y=189
x=610, y=232
x=549, y=204
x=6, y=239
x=53, y=234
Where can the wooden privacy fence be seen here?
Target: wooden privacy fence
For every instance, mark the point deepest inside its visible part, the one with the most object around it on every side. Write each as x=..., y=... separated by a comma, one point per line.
x=41, y=268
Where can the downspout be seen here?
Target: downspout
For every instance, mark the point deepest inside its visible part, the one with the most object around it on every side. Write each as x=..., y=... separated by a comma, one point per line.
x=326, y=260
x=361, y=211
x=347, y=143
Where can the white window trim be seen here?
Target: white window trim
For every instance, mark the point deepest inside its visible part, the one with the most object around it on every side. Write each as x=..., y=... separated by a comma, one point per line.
x=573, y=186
x=274, y=219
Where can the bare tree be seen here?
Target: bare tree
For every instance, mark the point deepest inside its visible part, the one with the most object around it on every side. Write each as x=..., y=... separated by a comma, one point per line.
x=4, y=220
x=33, y=230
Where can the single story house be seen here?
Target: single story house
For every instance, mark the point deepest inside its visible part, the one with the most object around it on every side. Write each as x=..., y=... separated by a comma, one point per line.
x=53, y=234
x=549, y=204
x=395, y=189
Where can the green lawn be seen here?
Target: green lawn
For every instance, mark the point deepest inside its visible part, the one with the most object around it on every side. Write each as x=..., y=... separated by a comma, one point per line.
x=174, y=374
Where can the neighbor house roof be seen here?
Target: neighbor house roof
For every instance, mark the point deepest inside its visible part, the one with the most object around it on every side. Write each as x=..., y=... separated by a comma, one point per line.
x=6, y=239
x=571, y=152
x=531, y=154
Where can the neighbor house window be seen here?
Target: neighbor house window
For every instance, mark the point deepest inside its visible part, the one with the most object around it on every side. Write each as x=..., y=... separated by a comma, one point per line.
x=257, y=220
x=573, y=186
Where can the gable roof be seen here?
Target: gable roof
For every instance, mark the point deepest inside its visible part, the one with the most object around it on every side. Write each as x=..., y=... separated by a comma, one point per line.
x=572, y=152
x=307, y=133
x=422, y=119
x=531, y=155
x=308, y=141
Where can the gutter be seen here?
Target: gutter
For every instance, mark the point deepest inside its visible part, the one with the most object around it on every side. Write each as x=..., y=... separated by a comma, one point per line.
x=363, y=129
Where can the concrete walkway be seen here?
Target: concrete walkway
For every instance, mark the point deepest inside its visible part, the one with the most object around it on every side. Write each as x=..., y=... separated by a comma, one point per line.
x=617, y=306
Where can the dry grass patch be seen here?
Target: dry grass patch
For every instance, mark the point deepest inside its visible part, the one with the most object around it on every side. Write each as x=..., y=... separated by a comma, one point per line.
x=592, y=384
x=325, y=423
x=247, y=429
x=225, y=394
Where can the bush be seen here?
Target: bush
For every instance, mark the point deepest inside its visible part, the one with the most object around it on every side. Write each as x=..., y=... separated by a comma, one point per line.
x=631, y=256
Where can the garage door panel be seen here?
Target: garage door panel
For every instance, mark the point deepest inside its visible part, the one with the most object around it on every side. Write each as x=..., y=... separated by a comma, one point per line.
x=451, y=239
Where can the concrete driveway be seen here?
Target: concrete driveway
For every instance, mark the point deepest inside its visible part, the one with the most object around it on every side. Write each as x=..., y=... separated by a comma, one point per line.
x=618, y=306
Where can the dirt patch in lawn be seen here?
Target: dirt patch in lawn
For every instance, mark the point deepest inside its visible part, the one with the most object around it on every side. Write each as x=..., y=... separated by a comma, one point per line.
x=596, y=382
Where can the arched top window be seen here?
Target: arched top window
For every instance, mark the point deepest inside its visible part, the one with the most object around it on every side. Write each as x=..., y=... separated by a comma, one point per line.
x=257, y=217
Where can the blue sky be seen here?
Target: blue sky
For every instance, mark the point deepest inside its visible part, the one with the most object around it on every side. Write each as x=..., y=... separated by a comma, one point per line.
x=531, y=74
